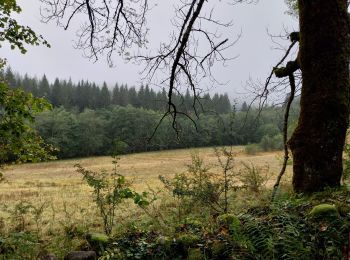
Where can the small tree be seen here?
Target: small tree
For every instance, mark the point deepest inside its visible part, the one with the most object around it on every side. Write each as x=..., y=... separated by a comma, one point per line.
x=109, y=190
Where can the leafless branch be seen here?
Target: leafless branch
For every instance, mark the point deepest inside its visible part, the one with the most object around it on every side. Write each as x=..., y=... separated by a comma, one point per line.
x=108, y=27
x=116, y=27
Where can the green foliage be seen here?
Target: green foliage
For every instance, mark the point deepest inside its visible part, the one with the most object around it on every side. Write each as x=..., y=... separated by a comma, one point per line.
x=23, y=212
x=197, y=187
x=252, y=149
x=286, y=230
x=95, y=132
x=109, y=190
x=254, y=177
x=346, y=163
x=137, y=244
x=229, y=221
x=292, y=7
x=97, y=241
x=269, y=143
x=19, y=214
x=12, y=32
x=187, y=240
x=18, y=141
x=276, y=237
x=200, y=187
x=19, y=245
x=195, y=254
x=132, y=116
x=227, y=178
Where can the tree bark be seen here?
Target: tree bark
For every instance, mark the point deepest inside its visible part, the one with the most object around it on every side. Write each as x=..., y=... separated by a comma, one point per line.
x=318, y=140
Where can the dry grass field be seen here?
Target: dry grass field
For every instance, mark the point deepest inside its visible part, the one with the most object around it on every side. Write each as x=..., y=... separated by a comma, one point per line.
x=67, y=199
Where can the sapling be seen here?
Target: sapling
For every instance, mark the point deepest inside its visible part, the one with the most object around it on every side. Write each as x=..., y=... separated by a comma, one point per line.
x=109, y=190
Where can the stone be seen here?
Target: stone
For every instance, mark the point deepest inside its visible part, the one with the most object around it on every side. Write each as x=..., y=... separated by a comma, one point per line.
x=324, y=211
x=48, y=257
x=81, y=255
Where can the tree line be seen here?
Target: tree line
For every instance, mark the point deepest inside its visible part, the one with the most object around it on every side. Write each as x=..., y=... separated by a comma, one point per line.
x=89, y=95
x=102, y=131
x=88, y=120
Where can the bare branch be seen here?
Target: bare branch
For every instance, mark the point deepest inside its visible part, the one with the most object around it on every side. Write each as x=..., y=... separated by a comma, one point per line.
x=109, y=27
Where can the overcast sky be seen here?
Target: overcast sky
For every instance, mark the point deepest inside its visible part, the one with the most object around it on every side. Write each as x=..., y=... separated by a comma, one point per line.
x=256, y=52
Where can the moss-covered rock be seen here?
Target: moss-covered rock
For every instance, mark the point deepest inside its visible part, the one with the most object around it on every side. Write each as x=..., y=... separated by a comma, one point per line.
x=219, y=250
x=193, y=224
x=164, y=241
x=324, y=211
x=187, y=240
x=97, y=241
x=229, y=221
x=195, y=254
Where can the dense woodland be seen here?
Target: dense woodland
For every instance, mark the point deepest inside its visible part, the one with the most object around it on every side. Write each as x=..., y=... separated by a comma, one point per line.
x=88, y=120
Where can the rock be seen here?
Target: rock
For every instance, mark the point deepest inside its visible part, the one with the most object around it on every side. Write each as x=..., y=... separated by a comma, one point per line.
x=219, y=250
x=229, y=221
x=48, y=257
x=97, y=238
x=195, y=254
x=188, y=240
x=97, y=241
x=81, y=255
x=193, y=223
x=324, y=211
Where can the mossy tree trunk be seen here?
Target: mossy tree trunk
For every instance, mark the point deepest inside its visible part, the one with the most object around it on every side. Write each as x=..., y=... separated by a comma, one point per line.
x=318, y=140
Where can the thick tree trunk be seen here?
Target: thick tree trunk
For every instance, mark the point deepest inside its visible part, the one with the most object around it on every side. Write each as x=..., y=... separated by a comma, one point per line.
x=318, y=141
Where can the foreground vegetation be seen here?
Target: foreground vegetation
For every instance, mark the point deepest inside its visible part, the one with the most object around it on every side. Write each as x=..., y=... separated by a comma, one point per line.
x=50, y=208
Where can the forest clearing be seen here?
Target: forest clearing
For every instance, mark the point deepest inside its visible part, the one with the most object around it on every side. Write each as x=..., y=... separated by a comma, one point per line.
x=191, y=131
x=57, y=182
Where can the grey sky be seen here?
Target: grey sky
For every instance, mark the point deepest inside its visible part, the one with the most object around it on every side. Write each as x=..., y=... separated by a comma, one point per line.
x=255, y=50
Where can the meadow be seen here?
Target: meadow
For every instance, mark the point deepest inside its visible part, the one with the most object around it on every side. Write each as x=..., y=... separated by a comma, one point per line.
x=63, y=202
x=59, y=178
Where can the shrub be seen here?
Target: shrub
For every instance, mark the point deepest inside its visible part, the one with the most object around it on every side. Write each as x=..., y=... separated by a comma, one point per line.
x=195, y=187
x=252, y=149
x=253, y=177
x=109, y=190
x=269, y=143
x=201, y=187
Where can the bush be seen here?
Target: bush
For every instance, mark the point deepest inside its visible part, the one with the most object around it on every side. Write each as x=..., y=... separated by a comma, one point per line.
x=252, y=149
x=195, y=187
x=109, y=190
x=274, y=143
x=254, y=177
x=201, y=187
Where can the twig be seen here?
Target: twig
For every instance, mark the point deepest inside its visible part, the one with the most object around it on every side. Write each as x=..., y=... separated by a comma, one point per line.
x=285, y=136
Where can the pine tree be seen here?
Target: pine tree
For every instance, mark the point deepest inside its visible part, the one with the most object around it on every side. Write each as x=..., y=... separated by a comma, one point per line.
x=133, y=99
x=115, y=95
x=244, y=107
x=44, y=88
x=10, y=78
x=105, y=96
x=56, y=93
